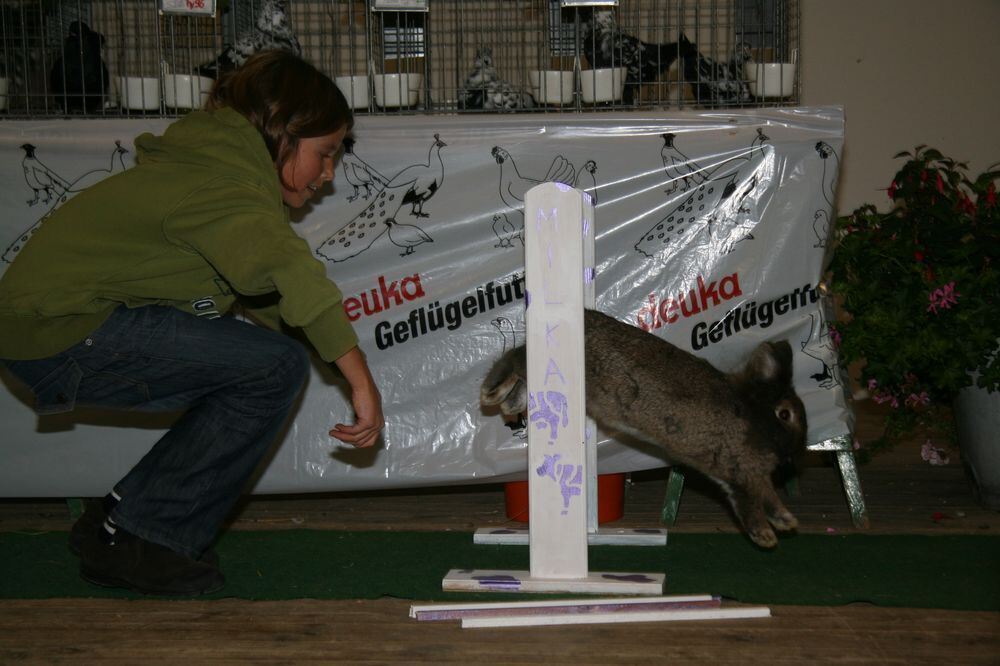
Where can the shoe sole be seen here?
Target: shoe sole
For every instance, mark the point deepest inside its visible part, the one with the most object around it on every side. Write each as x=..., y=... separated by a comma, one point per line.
x=121, y=583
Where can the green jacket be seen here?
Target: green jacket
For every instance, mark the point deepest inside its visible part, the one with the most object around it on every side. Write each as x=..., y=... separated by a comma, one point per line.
x=199, y=220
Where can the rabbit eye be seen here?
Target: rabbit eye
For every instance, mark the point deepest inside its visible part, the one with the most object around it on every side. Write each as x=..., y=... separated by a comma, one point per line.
x=784, y=414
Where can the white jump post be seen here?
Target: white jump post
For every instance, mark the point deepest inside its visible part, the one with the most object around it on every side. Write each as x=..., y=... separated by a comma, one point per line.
x=559, y=267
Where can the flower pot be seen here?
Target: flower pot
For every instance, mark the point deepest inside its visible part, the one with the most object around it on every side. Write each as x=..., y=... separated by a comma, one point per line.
x=977, y=418
x=610, y=498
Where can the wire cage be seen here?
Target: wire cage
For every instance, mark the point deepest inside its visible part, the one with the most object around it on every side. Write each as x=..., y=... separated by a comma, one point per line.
x=147, y=57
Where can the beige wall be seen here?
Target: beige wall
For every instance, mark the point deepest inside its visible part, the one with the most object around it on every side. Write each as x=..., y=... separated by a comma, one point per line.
x=907, y=72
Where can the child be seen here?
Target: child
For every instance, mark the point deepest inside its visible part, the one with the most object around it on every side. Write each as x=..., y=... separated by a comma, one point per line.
x=118, y=299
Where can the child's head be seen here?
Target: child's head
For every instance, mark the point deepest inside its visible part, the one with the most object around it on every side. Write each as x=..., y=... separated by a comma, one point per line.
x=285, y=98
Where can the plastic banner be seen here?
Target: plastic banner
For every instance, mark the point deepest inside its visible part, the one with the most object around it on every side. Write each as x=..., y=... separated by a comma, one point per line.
x=711, y=232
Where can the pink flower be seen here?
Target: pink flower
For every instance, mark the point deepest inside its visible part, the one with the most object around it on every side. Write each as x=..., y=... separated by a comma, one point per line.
x=922, y=399
x=940, y=183
x=872, y=384
x=835, y=336
x=943, y=297
x=933, y=455
x=883, y=397
x=892, y=190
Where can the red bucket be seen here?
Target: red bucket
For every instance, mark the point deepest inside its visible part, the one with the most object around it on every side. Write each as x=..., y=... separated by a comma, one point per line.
x=610, y=498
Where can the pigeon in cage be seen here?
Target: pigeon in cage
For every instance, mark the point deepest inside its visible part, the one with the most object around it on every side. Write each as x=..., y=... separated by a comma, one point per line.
x=79, y=77
x=606, y=45
x=483, y=88
x=272, y=30
x=713, y=82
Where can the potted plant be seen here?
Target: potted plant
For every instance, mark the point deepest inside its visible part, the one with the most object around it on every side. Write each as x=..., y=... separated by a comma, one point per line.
x=919, y=287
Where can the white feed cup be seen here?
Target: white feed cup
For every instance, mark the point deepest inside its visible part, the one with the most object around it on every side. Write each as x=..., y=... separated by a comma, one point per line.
x=771, y=79
x=355, y=89
x=184, y=91
x=394, y=90
x=602, y=85
x=552, y=86
x=140, y=93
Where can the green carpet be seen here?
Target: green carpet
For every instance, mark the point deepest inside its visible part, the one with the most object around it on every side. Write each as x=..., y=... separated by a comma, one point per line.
x=956, y=572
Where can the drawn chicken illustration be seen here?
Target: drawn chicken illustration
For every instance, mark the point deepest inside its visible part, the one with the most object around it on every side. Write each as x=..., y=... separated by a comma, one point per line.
x=822, y=351
x=719, y=206
x=358, y=173
x=821, y=218
x=56, y=189
x=412, y=186
x=514, y=186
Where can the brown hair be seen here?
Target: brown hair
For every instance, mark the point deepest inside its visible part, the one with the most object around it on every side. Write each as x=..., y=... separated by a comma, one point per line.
x=285, y=98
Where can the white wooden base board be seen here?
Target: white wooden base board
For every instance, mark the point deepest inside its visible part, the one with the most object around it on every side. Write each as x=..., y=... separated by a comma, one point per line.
x=614, y=617
x=596, y=582
x=605, y=536
x=437, y=612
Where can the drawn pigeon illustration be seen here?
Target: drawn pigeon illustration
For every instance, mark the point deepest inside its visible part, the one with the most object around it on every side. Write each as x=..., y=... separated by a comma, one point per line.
x=406, y=236
x=272, y=30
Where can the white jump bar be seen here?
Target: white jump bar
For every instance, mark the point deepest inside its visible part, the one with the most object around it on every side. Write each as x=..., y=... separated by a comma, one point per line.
x=610, y=618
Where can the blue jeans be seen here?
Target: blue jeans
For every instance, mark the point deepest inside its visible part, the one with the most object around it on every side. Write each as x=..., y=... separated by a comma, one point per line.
x=235, y=382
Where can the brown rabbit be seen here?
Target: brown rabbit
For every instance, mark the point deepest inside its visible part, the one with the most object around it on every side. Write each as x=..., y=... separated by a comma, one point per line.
x=734, y=428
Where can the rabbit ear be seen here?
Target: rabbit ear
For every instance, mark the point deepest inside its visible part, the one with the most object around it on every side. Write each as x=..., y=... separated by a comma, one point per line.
x=771, y=362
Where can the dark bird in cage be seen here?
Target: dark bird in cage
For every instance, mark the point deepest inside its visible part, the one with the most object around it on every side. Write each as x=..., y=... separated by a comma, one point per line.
x=483, y=88
x=79, y=77
x=272, y=30
x=606, y=45
x=714, y=82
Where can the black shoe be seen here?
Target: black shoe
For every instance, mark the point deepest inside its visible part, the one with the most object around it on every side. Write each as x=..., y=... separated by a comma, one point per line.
x=92, y=520
x=146, y=567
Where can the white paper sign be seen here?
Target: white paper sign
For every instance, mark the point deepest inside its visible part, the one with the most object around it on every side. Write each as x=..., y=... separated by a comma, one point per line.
x=195, y=7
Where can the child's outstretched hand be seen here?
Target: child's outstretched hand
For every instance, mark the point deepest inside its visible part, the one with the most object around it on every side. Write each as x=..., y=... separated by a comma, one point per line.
x=365, y=399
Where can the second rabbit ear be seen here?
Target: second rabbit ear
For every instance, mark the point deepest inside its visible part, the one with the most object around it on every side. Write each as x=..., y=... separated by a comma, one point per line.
x=771, y=361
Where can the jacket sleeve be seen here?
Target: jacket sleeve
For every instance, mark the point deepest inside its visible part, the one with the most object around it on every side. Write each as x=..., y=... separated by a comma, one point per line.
x=244, y=234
